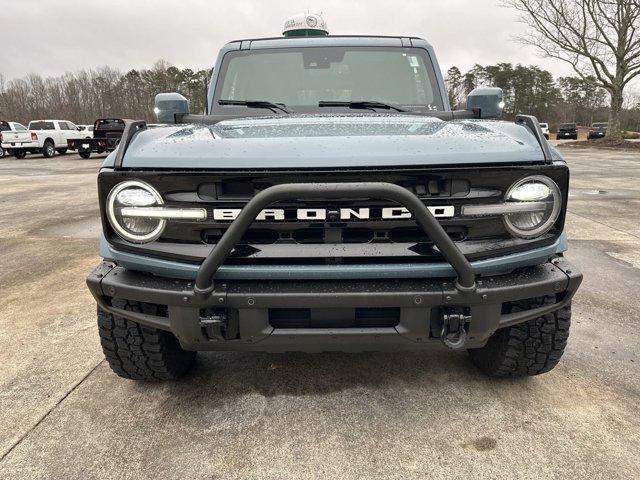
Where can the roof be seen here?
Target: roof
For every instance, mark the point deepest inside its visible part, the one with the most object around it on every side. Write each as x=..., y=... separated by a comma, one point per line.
x=336, y=40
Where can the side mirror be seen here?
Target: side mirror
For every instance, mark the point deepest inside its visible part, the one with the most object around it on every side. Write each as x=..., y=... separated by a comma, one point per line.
x=488, y=100
x=79, y=129
x=168, y=105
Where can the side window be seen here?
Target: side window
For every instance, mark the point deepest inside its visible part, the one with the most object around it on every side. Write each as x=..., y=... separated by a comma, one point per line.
x=71, y=126
x=63, y=125
x=19, y=127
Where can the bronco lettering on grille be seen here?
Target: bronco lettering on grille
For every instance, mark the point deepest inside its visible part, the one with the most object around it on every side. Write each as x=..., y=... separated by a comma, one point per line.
x=281, y=214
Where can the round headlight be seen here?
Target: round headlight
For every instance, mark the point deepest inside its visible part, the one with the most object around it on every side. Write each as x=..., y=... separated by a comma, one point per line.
x=129, y=194
x=541, y=201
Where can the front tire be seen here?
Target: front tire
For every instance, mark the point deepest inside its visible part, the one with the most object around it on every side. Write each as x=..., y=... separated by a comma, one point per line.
x=528, y=348
x=2, y=152
x=48, y=150
x=138, y=352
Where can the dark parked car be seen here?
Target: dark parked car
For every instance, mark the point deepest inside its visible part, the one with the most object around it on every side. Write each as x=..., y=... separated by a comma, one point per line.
x=598, y=130
x=106, y=137
x=567, y=130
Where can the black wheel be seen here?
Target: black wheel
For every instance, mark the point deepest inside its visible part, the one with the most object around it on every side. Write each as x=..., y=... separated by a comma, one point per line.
x=84, y=155
x=141, y=353
x=62, y=151
x=2, y=152
x=528, y=348
x=48, y=150
x=19, y=154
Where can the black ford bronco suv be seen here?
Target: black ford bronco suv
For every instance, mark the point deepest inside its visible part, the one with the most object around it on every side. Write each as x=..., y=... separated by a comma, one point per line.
x=330, y=199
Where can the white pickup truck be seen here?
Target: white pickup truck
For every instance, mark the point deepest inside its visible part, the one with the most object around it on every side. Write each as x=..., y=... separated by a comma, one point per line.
x=42, y=136
x=6, y=130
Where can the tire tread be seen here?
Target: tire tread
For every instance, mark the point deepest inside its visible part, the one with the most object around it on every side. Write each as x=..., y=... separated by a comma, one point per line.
x=528, y=348
x=138, y=352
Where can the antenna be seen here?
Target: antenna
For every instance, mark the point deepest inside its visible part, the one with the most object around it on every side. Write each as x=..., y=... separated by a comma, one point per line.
x=305, y=25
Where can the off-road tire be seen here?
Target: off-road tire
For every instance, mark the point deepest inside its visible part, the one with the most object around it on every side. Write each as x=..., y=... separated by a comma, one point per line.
x=138, y=352
x=84, y=155
x=48, y=150
x=19, y=154
x=2, y=152
x=528, y=348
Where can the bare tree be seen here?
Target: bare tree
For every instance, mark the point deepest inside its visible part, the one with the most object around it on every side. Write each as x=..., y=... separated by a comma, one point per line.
x=86, y=95
x=596, y=37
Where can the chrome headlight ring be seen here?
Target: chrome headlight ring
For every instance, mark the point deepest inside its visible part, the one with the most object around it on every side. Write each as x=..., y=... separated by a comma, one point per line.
x=113, y=214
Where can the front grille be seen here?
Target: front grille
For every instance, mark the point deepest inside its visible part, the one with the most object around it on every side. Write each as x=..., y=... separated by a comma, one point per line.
x=333, y=240
x=264, y=236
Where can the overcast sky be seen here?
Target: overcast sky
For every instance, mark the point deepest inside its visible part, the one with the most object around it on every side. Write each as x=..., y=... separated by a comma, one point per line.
x=50, y=37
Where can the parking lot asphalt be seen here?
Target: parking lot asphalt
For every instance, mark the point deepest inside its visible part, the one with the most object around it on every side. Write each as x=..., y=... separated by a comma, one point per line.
x=251, y=415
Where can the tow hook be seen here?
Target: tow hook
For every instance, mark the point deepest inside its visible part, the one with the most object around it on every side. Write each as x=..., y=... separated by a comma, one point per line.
x=454, y=330
x=214, y=326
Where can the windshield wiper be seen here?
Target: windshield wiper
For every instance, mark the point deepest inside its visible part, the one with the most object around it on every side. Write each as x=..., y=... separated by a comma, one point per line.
x=361, y=104
x=274, y=107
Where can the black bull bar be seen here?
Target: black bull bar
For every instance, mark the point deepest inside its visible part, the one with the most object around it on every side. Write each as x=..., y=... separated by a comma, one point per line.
x=384, y=191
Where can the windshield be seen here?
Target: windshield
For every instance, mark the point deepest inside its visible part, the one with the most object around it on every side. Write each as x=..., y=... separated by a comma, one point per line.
x=600, y=125
x=567, y=125
x=300, y=78
x=41, y=126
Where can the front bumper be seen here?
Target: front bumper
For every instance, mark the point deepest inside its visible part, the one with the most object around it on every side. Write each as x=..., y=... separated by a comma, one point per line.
x=20, y=145
x=345, y=314
x=92, y=144
x=421, y=307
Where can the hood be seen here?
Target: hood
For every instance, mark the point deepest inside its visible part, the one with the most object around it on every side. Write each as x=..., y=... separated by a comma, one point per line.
x=326, y=141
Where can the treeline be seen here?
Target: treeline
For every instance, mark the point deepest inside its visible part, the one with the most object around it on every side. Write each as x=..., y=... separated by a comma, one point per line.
x=532, y=90
x=86, y=95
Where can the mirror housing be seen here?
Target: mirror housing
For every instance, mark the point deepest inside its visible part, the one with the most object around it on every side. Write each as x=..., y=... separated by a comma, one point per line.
x=168, y=105
x=488, y=100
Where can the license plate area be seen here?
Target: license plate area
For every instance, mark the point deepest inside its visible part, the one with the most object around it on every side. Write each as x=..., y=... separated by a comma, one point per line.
x=334, y=317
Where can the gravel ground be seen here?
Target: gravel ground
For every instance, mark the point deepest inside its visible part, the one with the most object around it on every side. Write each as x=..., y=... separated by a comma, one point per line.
x=252, y=415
